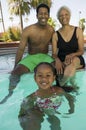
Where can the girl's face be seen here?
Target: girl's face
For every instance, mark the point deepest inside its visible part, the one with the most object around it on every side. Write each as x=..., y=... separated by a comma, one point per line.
x=43, y=16
x=64, y=17
x=44, y=77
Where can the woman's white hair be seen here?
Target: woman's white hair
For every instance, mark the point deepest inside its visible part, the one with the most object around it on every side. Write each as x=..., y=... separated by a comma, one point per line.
x=63, y=8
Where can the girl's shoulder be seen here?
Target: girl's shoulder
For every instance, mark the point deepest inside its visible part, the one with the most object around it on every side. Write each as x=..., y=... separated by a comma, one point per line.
x=57, y=89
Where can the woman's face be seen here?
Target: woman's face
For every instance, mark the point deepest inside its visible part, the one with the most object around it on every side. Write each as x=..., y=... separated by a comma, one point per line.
x=44, y=77
x=64, y=17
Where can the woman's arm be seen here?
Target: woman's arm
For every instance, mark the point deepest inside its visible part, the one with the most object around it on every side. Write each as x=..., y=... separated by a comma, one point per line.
x=58, y=63
x=80, y=37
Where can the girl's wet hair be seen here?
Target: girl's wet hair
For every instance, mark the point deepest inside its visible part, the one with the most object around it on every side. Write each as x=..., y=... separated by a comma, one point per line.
x=45, y=63
x=42, y=5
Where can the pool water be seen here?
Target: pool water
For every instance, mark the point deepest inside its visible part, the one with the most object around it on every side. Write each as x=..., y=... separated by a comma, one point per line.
x=10, y=109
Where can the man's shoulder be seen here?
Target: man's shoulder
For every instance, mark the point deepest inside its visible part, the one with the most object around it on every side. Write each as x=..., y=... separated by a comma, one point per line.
x=29, y=26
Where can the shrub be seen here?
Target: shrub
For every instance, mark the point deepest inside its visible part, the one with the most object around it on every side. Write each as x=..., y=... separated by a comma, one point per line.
x=52, y=22
x=12, y=34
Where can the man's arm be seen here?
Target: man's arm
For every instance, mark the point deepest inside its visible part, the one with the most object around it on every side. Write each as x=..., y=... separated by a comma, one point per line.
x=21, y=48
x=54, y=45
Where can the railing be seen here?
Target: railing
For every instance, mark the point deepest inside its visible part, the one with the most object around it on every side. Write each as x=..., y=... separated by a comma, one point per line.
x=9, y=48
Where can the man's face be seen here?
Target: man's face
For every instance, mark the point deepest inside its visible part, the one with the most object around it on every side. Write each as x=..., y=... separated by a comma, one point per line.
x=43, y=16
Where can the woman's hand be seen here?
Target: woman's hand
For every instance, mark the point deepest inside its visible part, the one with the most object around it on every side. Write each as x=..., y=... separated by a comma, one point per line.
x=59, y=66
x=68, y=59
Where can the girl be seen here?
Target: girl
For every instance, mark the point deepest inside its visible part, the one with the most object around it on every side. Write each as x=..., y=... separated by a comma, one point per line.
x=45, y=100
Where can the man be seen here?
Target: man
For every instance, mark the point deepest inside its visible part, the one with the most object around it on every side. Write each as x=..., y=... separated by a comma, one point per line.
x=37, y=37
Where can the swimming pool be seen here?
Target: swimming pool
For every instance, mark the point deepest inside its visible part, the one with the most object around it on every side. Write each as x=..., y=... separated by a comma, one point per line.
x=9, y=110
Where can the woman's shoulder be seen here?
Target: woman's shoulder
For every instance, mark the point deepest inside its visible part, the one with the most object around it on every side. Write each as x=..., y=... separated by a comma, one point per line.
x=75, y=28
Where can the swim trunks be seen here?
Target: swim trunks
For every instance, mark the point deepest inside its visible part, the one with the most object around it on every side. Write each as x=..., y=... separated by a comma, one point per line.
x=30, y=61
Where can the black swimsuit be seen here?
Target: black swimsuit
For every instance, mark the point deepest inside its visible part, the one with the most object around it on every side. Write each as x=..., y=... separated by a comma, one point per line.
x=65, y=48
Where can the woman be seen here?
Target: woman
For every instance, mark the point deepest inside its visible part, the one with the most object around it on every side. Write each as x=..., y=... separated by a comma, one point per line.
x=68, y=41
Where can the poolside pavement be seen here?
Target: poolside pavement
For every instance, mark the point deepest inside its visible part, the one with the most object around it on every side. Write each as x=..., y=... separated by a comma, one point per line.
x=7, y=62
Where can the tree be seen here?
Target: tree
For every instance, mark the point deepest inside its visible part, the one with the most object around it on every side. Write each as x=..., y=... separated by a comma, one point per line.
x=81, y=23
x=22, y=7
x=18, y=7
x=11, y=19
x=34, y=3
x=2, y=16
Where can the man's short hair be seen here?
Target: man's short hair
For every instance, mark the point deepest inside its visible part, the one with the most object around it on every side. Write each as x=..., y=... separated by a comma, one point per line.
x=42, y=5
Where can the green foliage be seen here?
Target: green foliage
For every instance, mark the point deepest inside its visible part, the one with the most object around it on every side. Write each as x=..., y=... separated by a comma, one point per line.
x=52, y=22
x=34, y=3
x=5, y=36
x=12, y=34
x=1, y=38
x=15, y=6
x=20, y=7
x=81, y=23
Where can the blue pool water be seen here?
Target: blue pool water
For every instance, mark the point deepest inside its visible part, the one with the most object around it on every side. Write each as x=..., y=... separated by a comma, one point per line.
x=9, y=110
